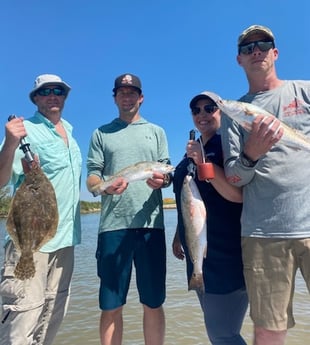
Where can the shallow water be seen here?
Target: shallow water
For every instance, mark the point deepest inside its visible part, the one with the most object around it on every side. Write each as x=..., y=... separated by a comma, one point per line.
x=184, y=321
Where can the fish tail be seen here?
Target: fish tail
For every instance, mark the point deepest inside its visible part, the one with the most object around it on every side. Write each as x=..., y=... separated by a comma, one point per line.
x=196, y=283
x=25, y=267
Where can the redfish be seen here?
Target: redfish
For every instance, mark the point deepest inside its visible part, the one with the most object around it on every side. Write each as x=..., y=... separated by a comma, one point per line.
x=245, y=113
x=195, y=223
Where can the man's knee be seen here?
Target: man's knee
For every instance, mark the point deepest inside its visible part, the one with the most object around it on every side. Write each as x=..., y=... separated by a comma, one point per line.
x=268, y=337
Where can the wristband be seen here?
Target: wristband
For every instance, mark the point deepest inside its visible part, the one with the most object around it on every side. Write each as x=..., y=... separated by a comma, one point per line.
x=246, y=161
x=167, y=181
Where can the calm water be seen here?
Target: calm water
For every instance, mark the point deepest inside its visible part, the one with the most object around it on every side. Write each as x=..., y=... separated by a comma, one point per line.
x=184, y=325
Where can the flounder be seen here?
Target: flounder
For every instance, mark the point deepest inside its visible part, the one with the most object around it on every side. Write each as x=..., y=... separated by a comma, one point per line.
x=33, y=218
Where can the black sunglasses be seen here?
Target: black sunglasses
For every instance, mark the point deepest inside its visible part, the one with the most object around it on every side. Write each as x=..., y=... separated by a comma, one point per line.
x=57, y=91
x=208, y=108
x=248, y=48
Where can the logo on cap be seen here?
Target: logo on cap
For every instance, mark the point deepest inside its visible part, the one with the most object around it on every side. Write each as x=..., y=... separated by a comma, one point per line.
x=127, y=79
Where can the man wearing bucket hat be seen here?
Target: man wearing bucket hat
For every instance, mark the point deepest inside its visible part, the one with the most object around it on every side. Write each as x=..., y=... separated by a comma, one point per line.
x=33, y=309
x=131, y=229
x=275, y=218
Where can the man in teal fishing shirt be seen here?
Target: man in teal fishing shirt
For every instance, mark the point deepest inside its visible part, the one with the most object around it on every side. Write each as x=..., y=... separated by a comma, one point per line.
x=33, y=309
x=131, y=229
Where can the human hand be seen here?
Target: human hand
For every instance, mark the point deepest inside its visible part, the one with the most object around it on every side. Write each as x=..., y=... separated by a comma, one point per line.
x=193, y=150
x=265, y=132
x=177, y=248
x=156, y=181
x=117, y=187
x=15, y=131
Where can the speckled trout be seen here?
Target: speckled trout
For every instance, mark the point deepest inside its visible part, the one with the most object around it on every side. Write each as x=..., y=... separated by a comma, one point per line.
x=245, y=113
x=136, y=172
x=195, y=224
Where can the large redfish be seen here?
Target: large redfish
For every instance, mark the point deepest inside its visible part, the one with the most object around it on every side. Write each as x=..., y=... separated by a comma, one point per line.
x=245, y=113
x=195, y=224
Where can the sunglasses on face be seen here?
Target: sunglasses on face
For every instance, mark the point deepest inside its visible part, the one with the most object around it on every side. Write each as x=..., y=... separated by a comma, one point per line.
x=57, y=91
x=208, y=108
x=263, y=46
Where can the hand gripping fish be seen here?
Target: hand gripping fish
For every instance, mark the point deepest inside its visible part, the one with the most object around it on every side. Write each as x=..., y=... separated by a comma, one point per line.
x=137, y=172
x=245, y=113
x=195, y=224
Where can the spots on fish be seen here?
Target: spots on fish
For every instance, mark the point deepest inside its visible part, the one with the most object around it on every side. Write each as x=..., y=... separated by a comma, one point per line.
x=32, y=219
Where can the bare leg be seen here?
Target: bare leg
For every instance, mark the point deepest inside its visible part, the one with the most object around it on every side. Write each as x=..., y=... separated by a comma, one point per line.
x=111, y=327
x=154, y=325
x=267, y=337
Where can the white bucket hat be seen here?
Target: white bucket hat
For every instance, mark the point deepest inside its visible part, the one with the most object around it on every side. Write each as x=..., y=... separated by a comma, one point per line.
x=45, y=80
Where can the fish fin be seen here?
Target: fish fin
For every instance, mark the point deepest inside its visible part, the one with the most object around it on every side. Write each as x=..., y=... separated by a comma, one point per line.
x=205, y=251
x=296, y=149
x=247, y=126
x=25, y=267
x=196, y=283
x=99, y=188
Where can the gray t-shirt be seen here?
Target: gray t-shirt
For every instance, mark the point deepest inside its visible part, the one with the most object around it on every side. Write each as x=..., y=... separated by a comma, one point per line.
x=276, y=191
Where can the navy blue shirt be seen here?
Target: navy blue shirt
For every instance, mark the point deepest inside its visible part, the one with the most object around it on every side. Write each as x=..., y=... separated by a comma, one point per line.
x=222, y=268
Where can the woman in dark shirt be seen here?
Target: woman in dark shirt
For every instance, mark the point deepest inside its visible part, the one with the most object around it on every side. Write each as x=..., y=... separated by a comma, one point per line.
x=224, y=302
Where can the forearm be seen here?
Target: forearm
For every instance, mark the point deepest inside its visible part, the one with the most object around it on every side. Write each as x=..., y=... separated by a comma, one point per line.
x=223, y=187
x=6, y=161
x=92, y=181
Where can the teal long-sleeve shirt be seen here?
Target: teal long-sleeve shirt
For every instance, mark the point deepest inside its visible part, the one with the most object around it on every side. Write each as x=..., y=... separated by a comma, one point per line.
x=62, y=165
x=115, y=146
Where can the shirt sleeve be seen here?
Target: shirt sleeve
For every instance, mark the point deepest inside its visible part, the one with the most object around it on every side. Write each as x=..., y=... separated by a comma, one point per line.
x=233, y=138
x=163, y=153
x=95, y=158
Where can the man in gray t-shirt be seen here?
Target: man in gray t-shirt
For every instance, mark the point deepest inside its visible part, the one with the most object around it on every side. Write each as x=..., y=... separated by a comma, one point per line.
x=276, y=191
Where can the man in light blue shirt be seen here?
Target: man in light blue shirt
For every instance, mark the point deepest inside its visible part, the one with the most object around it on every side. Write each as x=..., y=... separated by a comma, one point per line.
x=33, y=309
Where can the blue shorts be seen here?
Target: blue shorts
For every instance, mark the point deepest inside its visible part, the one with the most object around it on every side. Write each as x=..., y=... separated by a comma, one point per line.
x=117, y=251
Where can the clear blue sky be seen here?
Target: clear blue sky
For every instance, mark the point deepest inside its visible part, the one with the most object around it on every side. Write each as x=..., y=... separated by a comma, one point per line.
x=177, y=47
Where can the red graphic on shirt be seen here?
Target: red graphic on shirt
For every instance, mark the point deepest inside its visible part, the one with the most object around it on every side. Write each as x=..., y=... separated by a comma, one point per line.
x=295, y=107
x=233, y=179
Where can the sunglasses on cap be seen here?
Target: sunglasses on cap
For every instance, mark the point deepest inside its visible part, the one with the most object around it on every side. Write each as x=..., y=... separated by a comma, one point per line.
x=57, y=91
x=248, y=48
x=208, y=108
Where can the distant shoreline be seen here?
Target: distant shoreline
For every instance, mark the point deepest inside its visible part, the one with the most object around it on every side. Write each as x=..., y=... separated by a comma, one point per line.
x=96, y=210
x=88, y=210
x=170, y=206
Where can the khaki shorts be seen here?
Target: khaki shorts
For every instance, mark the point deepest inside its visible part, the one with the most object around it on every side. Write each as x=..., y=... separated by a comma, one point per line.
x=33, y=309
x=270, y=267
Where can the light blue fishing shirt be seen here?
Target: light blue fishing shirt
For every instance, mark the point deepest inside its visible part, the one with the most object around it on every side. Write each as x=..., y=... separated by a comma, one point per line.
x=62, y=166
x=276, y=191
x=115, y=146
